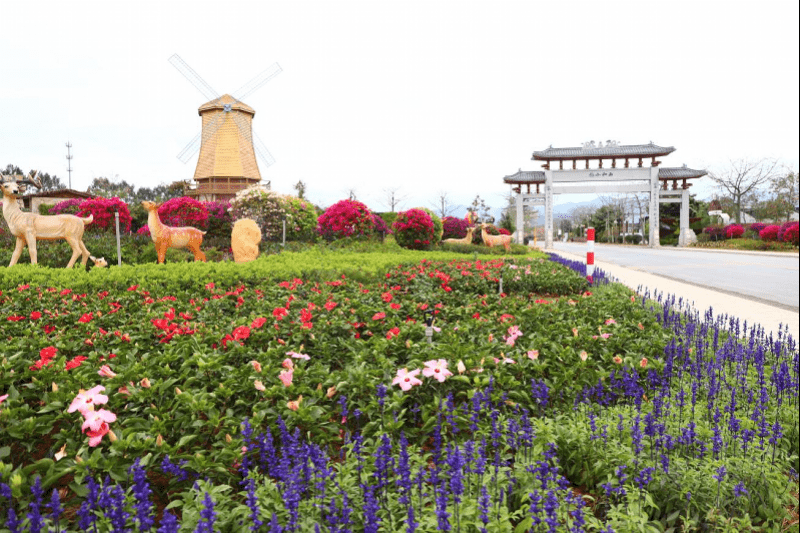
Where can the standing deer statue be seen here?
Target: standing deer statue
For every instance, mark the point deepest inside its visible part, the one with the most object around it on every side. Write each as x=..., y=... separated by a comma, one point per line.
x=168, y=237
x=495, y=240
x=30, y=227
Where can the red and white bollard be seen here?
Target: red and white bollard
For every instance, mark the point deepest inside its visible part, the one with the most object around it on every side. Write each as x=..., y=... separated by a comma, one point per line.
x=589, y=254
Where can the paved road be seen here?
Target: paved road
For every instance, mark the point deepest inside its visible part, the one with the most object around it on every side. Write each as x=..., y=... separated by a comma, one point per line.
x=770, y=278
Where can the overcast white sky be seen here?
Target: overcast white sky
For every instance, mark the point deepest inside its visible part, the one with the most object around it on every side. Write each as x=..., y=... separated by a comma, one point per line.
x=426, y=96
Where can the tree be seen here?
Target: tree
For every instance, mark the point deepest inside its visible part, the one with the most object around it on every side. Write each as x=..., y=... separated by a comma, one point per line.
x=300, y=187
x=482, y=210
x=742, y=177
x=785, y=188
x=50, y=183
x=110, y=188
x=392, y=199
x=443, y=206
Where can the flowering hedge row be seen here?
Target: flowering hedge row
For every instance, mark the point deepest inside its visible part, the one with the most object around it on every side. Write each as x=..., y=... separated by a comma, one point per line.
x=418, y=400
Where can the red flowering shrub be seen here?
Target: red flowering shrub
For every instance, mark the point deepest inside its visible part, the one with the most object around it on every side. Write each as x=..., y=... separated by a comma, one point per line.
x=67, y=207
x=733, y=231
x=504, y=231
x=102, y=209
x=144, y=230
x=785, y=226
x=790, y=232
x=454, y=228
x=346, y=218
x=770, y=233
x=414, y=229
x=184, y=211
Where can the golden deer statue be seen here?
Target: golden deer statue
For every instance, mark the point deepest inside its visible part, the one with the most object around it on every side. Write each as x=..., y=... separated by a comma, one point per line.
x=465, y=240
x=495, y=240
x=30, y=227
x=168, y=237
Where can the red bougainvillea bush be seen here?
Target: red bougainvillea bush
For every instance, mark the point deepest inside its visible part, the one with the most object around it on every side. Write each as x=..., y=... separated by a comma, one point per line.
x=733, y=231
x=184, y=211
x=102, y=209
x=454, y=228
x=413, y=229
x=770, y=233
x=345, y=218
x=788, y=233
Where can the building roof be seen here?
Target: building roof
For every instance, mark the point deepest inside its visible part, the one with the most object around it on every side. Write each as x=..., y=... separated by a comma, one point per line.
x=220, y=103
x=525, y=176
x=678, y=173
x=609, y=151
x=60, y=193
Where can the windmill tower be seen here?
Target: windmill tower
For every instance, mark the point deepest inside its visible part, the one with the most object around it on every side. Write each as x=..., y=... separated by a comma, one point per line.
x=227, y=144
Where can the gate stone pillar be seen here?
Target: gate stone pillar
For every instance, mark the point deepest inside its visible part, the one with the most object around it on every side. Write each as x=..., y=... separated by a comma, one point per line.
x=548, y=209
x=684, y=238
x=520, y=219
x=655, y=223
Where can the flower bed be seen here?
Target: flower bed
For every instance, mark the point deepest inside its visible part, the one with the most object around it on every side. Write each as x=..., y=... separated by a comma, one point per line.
x=243, y=396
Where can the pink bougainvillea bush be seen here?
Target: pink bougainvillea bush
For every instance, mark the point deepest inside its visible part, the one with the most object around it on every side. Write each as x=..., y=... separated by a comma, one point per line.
x=219, y=218
x=454, y=228
x=346, y=218
x=184, y=211
x=789, y=232
x=733, y=231
x=770, y=233
x=503, y=231
x=414, y=229
x=379, y=225
x=67, y=207
x=102, y=209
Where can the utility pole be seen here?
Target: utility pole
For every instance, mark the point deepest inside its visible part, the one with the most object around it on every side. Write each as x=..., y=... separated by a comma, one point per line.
x=69, y=163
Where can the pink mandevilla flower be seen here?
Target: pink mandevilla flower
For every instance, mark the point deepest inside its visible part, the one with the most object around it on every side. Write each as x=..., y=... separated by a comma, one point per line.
x=436, y=369
x=296, y=355
x=106, y=372
x=86, y=400
x=96, y=425
x=406, y=379
x=286, y=377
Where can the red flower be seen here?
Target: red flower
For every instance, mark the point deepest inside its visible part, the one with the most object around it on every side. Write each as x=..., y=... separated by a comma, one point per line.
x=258, y=322
x=395, y=306
x=75, y=362
x=378, y=316
x=330, y=304
x=36, y=315
x=49, y=328
x=279, y=313
x=393, y=333
x=15, y=318
x=387, y=297
x=133, y=288
x=241, y=333
x=305, y=315
x=86, y=318
x=48, y=353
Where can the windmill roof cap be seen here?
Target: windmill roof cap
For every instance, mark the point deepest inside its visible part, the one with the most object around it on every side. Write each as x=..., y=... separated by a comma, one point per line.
x=219, y=103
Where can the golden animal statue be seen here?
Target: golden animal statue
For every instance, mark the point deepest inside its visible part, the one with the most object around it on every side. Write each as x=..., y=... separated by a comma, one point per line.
x=168, y=237
x=465, y=240
x=30, y=227
x=495, y=240
x=245, y=237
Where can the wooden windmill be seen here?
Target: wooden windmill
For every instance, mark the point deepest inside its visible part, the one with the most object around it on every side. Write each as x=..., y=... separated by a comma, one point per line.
x=227, y=144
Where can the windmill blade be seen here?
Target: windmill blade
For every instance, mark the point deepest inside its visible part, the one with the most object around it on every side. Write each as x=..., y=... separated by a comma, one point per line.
x=258, y=146
x=188, y=73
x=262, y=78
x=195, y=144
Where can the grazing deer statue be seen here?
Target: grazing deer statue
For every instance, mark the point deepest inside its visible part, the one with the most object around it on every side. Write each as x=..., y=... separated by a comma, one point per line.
x=30, y=227
x=495, y=240
x=168, y=237
x=465, y=240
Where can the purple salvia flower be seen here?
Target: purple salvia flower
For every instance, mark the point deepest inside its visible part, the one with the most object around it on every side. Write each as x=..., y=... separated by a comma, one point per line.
x=207, y=516
x=55, y=507
x=142, y=492
x=169, y=524
x=35, y=514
